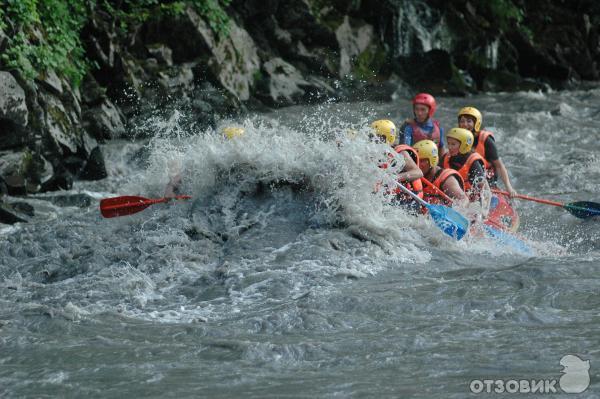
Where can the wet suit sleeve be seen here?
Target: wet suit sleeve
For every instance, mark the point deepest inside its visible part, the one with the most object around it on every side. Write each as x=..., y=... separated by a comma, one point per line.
x=491, y=152
x=406, y=133
x=476, y=171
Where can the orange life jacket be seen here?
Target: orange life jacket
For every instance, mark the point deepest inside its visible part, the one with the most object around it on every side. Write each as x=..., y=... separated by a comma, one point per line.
x=482, y=137
x=465, y=168
x=416, y=186
x=431, y=195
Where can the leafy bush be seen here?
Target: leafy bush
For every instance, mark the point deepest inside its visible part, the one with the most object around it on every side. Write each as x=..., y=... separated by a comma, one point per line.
x=45, y=34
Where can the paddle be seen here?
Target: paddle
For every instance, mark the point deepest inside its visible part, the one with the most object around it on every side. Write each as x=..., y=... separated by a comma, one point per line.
x=447, y=219
x=507, y=239
x=580, y=209
x=130, y=204
x=437, y=190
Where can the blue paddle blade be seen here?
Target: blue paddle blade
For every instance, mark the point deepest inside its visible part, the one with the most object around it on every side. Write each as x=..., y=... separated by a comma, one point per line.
x=507, y=239
x=583, y=209
x=448, y=220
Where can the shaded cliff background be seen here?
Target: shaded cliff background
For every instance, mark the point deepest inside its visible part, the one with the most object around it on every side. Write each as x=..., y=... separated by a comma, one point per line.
x=74, y=74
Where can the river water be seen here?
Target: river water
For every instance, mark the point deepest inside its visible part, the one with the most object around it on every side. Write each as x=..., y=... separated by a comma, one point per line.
x=286, y=277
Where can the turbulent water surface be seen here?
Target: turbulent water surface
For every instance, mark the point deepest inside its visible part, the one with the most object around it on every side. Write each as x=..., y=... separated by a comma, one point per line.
x=286, y=276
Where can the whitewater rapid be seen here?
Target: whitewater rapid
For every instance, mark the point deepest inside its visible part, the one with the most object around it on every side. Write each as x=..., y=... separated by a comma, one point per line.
x=286, y=275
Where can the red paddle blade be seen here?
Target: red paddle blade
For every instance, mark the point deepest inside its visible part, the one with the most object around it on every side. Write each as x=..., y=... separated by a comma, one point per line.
x=125, y=205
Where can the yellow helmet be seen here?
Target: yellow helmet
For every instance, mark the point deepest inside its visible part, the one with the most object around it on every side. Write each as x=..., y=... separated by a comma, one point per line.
x=464, y=136
x=230, y=132
x=385, y=128
x=473, y=112
x=428, y=150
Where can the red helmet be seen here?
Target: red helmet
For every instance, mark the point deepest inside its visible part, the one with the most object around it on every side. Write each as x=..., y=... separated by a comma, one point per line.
x=426, y=99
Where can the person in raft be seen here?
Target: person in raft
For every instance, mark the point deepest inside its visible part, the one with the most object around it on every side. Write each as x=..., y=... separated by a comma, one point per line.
x=171, y=190
x=423, y=126
x=410, y=176
x=469, y=165
x=441, y=186
x=485, y=145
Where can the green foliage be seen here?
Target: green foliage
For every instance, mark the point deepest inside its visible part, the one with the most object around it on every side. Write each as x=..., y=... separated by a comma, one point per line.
x=130, y=13
x=369, y=63
x=45, y=34
x=505, y=12
x=213, y=12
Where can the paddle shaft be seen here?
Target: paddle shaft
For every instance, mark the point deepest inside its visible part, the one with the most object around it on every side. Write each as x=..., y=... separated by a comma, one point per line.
x=437, y=190
x=528, y=198
x=415, y=196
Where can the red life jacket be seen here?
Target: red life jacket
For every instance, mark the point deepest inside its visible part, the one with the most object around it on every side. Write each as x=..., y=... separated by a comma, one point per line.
x=482, y=137
x=419, y=134
x=432, y=196
x=465, y=168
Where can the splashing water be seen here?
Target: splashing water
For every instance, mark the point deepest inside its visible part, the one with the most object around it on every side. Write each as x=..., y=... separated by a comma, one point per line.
x=287, y=267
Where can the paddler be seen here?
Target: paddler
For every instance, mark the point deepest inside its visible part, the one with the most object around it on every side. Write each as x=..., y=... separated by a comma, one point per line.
x=423, y=126
x=485, y=145
x=171, y=190
x=469, y=164
x=410, y=176
x=439, y=181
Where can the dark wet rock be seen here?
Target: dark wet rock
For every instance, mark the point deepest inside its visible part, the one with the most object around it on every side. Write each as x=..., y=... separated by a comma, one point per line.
x=94, y=168
x=179, y=79
x=23, y=172
x=10, y=215
x=50, y=81
x=507, y=81
x=432, y=72
x=61, y=180
x=282, y=84
x=104, y=121
x=24, y=208
x=231, y=60
x=3, y=188
x=13, y=106
x=12, y=135
x=161, y=53
x=92, y=93
x=59, y=126
x=355, y=38
x=3, y=39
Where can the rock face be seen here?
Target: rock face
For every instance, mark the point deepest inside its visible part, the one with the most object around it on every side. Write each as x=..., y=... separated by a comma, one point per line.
x=13, y=113
x=12, y=101
x=234, y=59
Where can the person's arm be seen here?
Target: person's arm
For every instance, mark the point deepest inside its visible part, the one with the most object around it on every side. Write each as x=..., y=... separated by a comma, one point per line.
x=172, y=186
x=441, y=147
x=481, y=187
x=503, y=173
x=491, y=155
x=401, y=139
x=454, y=191
x=410, y=171
x=407, y=132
